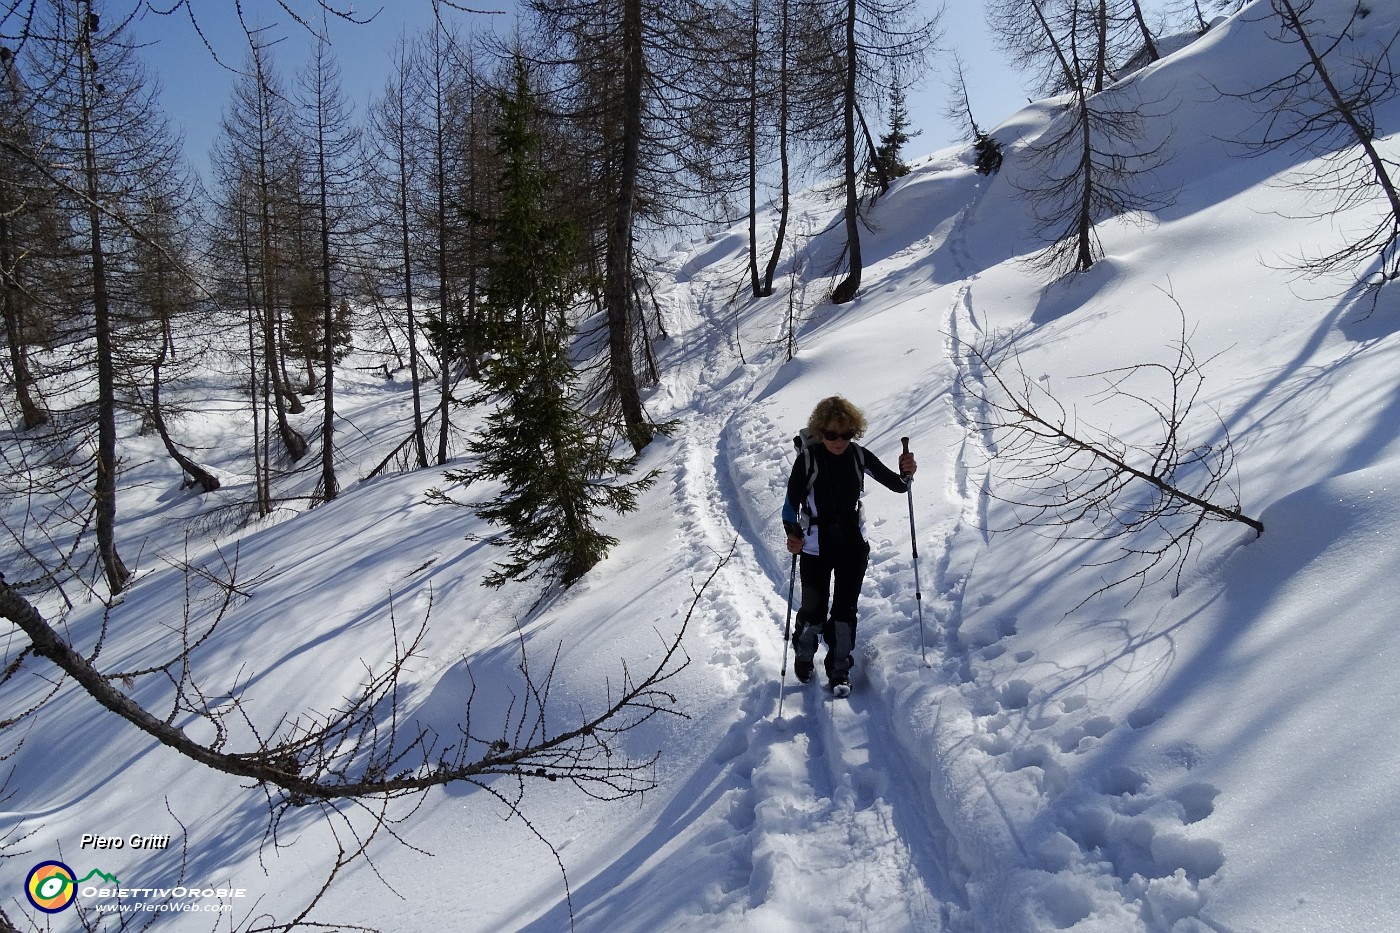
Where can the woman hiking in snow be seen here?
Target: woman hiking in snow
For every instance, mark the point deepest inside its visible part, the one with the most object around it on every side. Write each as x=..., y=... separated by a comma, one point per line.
x=822, y=518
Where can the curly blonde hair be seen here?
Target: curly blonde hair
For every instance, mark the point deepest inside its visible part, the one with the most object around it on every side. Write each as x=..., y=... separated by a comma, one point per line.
x=837, y=414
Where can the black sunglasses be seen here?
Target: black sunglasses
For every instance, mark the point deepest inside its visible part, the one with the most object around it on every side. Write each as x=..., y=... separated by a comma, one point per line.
x=842, y=435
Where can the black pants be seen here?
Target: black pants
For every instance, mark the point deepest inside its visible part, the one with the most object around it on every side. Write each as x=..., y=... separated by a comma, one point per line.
x=830, y=588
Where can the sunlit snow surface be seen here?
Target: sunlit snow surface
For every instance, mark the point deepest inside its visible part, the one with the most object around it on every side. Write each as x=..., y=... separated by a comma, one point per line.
x=1218, y=753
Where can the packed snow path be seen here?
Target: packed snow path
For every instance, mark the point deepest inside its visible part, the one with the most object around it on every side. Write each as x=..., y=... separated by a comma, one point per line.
x=834, y=837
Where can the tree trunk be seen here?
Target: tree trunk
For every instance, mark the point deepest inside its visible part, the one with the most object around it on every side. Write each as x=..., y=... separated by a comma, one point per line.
x=274, y=374
x=197, y=474
x=1085, y=219
x=1101, y=48
x=785, y=195
x=751, y=141
x=32, y=415
x=618, y=294
x=105, y=488
x=406, y=244
x=846, y=291
x=262, y=489
x=1149, y=45
x=881, y=170
x=445, y=298
x=275, y=378
x=329, y=485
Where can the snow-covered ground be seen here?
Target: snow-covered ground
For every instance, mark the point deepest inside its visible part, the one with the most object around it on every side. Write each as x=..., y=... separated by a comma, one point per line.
x=1214, y=752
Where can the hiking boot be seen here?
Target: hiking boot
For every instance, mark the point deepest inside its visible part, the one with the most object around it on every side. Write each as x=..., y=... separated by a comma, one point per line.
x=840, y=685
x=803, y=670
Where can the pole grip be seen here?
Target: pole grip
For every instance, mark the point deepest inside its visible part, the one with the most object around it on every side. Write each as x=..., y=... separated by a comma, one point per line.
x=905, y=442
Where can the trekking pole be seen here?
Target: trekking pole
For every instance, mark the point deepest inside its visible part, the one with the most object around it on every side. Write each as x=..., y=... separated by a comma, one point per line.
x=787, y=636
x=914, y=544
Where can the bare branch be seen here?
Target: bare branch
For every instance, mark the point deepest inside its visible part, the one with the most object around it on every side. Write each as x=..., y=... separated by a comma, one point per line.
x=1327, y=108
x=353, y=753
x=1087, y=484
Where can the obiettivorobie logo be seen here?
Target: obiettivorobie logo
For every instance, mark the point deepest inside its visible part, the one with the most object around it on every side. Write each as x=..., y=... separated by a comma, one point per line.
x=52, y=886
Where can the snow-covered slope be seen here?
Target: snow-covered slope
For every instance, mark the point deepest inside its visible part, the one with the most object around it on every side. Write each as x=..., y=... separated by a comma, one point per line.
x=1217, y=752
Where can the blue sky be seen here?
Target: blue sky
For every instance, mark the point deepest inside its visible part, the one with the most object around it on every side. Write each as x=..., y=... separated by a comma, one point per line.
x=195, y=88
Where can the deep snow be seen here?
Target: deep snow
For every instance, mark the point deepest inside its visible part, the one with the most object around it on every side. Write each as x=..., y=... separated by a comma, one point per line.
x=1214, y=753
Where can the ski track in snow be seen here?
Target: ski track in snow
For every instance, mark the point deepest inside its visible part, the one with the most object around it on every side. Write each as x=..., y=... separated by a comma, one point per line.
x=818, y=808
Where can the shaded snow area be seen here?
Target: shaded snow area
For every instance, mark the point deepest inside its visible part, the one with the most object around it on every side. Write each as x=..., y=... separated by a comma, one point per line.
x=1024, y=750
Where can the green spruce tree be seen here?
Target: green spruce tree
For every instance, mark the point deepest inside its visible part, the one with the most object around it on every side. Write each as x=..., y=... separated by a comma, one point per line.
x=989, y=153
x=889, y=153
x=556, y=473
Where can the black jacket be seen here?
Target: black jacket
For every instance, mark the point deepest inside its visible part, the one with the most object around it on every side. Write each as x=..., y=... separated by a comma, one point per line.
x=834, y=503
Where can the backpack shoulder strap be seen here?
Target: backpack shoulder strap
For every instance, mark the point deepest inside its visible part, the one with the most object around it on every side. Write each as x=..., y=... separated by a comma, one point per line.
x=804, y=442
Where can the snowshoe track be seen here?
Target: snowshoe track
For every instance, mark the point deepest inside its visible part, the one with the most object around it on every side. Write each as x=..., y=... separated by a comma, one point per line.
x=812, y=790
